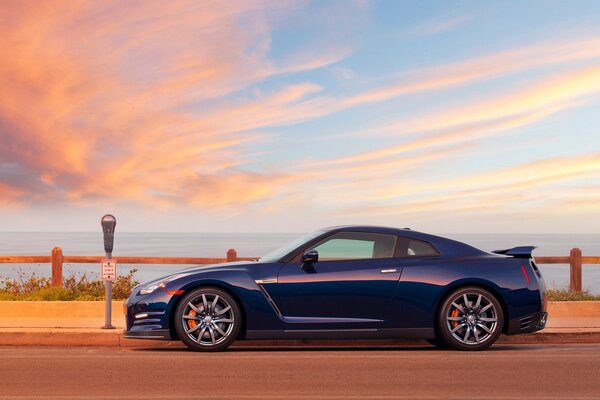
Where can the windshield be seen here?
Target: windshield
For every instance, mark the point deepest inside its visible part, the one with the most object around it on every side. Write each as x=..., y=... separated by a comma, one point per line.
x=276, y=254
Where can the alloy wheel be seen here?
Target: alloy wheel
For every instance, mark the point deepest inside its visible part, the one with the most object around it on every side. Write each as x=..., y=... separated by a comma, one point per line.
x=471, y=319
x=209, y=319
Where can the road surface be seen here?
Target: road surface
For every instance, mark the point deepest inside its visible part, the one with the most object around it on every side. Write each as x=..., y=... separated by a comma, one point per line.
x=504, y=372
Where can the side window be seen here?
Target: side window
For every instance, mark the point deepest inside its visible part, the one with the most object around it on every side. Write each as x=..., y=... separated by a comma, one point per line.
x=415, y=248
x=356, y=246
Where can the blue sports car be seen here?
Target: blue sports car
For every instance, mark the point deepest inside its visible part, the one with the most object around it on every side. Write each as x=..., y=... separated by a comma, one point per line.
x=348, y=282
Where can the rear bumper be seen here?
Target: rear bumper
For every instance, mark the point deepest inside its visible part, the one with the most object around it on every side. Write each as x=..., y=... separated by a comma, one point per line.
x=530, y=323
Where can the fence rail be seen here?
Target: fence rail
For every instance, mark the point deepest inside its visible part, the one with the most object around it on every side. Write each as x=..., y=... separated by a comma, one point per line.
x=575, y=260
x=57, y=259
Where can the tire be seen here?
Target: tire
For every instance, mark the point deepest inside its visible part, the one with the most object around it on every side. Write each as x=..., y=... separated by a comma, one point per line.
x=470, y=318
x=208, y=319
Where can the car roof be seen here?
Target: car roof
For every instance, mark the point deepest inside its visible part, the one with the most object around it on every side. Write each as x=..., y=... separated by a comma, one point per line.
x=364, y=228
x=445, y=246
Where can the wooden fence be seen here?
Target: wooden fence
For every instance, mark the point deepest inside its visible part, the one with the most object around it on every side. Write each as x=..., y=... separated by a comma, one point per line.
x=575, y=260
x=57, y=259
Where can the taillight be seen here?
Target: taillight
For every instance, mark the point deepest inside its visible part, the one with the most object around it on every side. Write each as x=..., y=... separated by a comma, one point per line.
x=536, y=270
x=525, y=274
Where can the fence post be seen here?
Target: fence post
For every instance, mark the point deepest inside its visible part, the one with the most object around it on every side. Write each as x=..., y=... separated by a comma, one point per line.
x=231, y=255
x=57, y=265
x=575, y=278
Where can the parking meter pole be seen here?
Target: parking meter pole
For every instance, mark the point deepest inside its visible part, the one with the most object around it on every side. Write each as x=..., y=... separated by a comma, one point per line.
x=108, y=223
x=108, y=308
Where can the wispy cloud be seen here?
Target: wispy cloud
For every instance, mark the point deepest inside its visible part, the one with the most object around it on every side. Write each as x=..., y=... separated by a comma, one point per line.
x=511, y=187
x=461, y=73
x=555, y=91
x=483, y=118
x=477, y=69
x=436, y=26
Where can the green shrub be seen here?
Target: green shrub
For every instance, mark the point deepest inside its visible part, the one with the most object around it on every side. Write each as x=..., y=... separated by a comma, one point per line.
x=565, y=295
x=49, y=294
x=74, y=287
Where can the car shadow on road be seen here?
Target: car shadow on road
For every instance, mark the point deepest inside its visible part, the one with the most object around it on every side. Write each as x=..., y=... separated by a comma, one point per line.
x=308, y=348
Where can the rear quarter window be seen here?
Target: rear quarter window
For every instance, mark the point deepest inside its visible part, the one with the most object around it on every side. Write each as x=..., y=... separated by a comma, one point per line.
x=408, y=247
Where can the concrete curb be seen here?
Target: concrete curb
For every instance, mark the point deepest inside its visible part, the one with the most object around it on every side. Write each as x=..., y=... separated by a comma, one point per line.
x=114, y=338
x=54, y=337
x=57, y=309
x=58, y=323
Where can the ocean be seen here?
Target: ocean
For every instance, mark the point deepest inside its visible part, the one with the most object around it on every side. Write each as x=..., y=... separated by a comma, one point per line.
x=255, y=245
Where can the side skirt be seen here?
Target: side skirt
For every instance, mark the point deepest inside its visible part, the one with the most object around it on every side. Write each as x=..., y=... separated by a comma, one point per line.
x=407, y=333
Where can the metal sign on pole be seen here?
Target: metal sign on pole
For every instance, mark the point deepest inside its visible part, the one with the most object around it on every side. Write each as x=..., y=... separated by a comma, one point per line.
x=109, y=270
x=109, y=266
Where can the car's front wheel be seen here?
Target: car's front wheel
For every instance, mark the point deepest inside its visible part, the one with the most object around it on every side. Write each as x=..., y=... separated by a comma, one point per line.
x=471, y=318
x=208, y=319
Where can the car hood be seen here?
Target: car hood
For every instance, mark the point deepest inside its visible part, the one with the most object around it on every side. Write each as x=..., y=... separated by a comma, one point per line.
x=235, y=265
x=212, y=267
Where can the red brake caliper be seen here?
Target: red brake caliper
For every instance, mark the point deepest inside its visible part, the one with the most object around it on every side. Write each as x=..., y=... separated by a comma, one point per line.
x=192, y=323
x=455, y=314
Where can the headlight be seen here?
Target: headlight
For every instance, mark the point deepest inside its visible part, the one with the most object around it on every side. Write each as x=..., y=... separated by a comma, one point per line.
x=159, y=285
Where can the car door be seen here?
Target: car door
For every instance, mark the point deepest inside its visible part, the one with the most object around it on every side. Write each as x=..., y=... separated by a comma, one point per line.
x=349, y=287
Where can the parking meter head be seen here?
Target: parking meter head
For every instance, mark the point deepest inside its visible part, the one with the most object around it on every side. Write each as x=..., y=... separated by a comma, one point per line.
x=108, y=223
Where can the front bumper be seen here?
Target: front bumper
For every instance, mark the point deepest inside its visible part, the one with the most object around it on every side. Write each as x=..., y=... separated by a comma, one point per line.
x=530, y=323
x=147, y=316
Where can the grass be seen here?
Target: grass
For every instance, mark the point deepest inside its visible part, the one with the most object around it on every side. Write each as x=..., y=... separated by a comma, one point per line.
x=565, y=295
x=74, y=287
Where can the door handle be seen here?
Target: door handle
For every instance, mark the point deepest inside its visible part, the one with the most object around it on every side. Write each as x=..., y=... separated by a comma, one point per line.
x=388, y=271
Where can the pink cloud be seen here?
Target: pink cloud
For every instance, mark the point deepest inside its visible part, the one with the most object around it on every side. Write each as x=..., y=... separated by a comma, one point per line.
x=95, y=100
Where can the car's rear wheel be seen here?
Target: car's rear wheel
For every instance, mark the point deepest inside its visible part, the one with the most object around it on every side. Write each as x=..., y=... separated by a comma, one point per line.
x=471, y=318
x=208, y=319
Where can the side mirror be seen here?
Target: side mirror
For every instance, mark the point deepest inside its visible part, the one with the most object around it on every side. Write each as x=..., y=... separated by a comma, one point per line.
x=311, y=256
x=308, y=258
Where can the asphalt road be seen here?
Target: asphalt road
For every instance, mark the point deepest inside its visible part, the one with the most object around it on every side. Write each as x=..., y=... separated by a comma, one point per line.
x=504, y=372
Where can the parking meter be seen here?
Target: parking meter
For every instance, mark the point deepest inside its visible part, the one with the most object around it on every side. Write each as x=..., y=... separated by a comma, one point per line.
x=109, y=267
x=108, y=223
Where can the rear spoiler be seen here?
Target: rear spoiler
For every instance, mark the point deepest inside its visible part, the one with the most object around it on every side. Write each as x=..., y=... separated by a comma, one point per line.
x=517, y=252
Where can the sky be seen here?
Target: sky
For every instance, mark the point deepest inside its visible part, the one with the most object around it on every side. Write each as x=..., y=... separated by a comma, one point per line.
x=288, y=116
